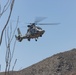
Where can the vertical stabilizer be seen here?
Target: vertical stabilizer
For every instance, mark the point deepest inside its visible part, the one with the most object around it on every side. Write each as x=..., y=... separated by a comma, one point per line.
x=19, y=32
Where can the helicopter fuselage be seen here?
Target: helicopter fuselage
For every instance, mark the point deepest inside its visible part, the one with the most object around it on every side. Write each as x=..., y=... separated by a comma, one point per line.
x=32, y=33
x=35, y=35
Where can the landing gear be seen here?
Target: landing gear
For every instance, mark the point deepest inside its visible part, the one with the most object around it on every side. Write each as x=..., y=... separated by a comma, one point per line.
x=28, y=39
x=35, y=39
x=40, y=35
x=18, y=38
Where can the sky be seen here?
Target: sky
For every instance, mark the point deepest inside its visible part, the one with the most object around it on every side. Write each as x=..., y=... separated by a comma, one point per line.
x=56, y=39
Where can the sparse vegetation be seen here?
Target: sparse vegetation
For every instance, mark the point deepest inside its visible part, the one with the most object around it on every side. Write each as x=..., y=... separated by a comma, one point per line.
x=9, y=35
x=59, y=64
x=9, y=4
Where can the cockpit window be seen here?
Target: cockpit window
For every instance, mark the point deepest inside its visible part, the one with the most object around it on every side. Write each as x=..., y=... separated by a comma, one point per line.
x=39, y=28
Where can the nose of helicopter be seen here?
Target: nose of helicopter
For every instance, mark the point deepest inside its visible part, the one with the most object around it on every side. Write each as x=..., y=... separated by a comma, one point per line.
x=43, y=31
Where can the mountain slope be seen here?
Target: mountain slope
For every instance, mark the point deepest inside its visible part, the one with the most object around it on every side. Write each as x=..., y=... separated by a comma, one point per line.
x=59, y=64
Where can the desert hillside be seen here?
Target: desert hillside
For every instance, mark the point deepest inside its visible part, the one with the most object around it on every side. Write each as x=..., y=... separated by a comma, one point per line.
x=59, y=64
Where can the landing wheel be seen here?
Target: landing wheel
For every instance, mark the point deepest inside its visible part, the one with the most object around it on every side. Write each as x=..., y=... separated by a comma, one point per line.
x=28, y=39
x=40, y=35
x=35, y=39
x=20, y=39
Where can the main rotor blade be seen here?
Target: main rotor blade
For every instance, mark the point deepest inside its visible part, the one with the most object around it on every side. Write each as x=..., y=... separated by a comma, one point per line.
x=38, y=19
x=48, y=23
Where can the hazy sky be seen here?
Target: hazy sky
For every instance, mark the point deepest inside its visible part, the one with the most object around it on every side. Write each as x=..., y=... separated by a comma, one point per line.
x=56, y=39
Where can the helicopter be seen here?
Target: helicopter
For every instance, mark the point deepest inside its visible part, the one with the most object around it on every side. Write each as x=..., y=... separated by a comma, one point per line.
x=33, y=31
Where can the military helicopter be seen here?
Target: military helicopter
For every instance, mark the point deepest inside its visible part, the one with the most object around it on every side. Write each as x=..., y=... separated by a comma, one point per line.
x=33, y=31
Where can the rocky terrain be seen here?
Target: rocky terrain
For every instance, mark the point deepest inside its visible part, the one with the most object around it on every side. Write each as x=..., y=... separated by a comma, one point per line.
x=59, y=64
